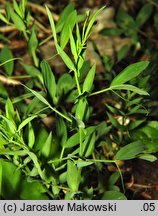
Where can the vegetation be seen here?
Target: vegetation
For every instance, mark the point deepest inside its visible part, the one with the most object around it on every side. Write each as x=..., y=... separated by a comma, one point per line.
x=83, y=154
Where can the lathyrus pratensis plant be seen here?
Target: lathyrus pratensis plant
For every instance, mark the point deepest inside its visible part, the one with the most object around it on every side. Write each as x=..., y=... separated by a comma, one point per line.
x=62, y=163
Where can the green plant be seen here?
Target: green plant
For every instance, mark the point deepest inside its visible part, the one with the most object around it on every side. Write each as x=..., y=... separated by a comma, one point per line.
x=59, y=163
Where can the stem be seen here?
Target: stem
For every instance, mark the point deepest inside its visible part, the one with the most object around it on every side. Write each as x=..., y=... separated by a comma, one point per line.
x=100, y=92
x=61, y=114
x=77, y=82
x=35, y=59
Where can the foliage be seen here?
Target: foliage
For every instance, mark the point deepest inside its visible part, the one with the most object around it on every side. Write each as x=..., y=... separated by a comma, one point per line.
x=60, y=163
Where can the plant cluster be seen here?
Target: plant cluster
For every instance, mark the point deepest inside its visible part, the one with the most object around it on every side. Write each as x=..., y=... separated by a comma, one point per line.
x=71, y=160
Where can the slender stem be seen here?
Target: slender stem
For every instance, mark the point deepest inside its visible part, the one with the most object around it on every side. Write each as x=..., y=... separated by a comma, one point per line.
x=77, y=82
x=35, y=59
x=61, y=114
x=100, y=92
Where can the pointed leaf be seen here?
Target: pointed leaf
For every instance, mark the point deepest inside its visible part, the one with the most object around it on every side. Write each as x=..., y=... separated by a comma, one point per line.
x=26, y=121
x=49, y=80
x=87, y=85
x=129, y=73
x=129, y=88
x=130, y=151
x=65, y=58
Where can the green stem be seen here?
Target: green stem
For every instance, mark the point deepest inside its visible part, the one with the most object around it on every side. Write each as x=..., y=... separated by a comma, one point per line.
x=35, y=59
x=61, y=114
x=77, y=82
x=100, y=92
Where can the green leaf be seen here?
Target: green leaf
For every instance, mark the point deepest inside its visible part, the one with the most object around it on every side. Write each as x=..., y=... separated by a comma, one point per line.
x=38, y=95
x=33, y=41
x=31, y=135
x=9, y=110
x=84, y=163
x=63, y=16
x=89, y=144
x=113, y=195
x=68, y=26
x=18, y=22
x=129, y=73
x=73, y=176
x=73, y=141
x=6, y=55
x=91, y=22
x=130, y=151
x=129, y=88
x=26, y=121
x=3, y=18
x=16, y=8
x=148, y=157
x=65, y=58
x=46, y=149
x=122, y=53
x=81, y=109
x=49, y=80
x=51, y=20
x=33, y=71
x=144, y=14
x=73, y=46
x=61, y=130
x=10, y=180
x=65, y=84
x=88, y=82
x=32, y=191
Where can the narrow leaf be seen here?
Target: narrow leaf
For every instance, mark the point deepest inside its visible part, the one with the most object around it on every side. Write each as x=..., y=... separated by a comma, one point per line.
x=129, y=88
x=129, y=73
x=65, y=58
x=26, y=121
x=87, y=85
x=49, y=80
x=51, y=20
x=130, y=151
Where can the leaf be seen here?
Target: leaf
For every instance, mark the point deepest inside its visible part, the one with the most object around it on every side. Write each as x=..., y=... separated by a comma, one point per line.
x=73, y=176
x=51, y=20
x=73, y=46
x=84, y=163
x=16, y=8
x=6, y=55
x=81, y=109
x=49, y=80
x=33, y=41
x=91, y=22
x=113, y=195
x=46, y=149
x=72, y=141
x=9, y=110
x=26, y=121
x=65, y=58
x=144, y=14
x=61, y=130
x=130, y=151
x=148, y=157
x=33, y=71
x=18, y=22
x=34, y=190
x=122, y=53
x=38, y=95
x=68, y=26
x=89, y=145
x=129, y=88
x=3, y=18
x=10, y=180
x=88, y=82
x=63, y=16
x=31, y=135
x=129, y=73
x=65, y=84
